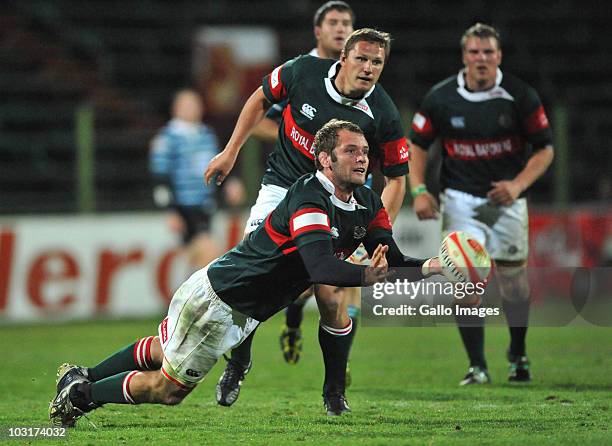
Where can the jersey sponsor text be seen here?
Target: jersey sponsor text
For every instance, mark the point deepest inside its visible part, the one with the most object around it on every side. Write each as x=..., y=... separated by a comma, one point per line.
x=468, y=149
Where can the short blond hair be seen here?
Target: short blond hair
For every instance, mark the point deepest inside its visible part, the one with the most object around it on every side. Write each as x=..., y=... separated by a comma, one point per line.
x=481, y=31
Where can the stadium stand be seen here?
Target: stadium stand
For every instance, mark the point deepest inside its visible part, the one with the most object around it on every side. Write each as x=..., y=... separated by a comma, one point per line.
x=125, y=59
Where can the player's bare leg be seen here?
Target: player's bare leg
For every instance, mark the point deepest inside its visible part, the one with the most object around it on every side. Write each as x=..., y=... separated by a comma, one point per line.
x=471, y=329
x=130, y=376
x=335, y=335
x=515, y=292
x=202, y=250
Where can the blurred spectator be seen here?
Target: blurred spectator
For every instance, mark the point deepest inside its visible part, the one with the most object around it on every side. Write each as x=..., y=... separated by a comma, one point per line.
x=179, y=154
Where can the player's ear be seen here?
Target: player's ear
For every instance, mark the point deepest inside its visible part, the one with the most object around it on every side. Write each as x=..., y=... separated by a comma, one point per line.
x=324, y=159
x=317, y=32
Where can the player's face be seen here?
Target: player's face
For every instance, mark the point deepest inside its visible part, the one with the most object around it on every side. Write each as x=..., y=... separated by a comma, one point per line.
x=363, y=64
x=333, y=32
x=481, y=58
x=349, y=166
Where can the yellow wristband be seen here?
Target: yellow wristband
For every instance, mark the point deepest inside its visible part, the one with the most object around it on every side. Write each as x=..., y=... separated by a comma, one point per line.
x=418, y=190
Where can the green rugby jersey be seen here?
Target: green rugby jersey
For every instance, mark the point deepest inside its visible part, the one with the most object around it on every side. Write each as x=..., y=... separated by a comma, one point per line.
x=306, y=82
x=265, y=272
x=484, y=134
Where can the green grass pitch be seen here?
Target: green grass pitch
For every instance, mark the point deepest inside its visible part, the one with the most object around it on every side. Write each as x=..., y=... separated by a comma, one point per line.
x=404, y=390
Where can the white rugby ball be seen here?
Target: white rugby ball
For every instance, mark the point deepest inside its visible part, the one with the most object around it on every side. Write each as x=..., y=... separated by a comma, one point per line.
x=464, y=259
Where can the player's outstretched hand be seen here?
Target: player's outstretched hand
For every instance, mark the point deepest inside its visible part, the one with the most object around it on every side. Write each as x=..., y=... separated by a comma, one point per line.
x=221, y=165
x=379, y=258
x=425, y=206
x=432, y=266
x=378, y=270
x=504, y=192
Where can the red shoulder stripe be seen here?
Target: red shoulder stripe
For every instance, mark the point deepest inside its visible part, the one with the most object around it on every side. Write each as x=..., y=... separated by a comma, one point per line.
x=381, y=220
x=277, y=88
x=536, y=121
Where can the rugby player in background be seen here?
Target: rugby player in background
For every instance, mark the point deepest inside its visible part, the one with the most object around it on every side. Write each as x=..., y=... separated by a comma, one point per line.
x=496, y=142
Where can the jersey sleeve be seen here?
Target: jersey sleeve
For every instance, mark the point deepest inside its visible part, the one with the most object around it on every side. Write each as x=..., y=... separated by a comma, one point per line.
x=394, y=154
x=310, y=223
x=380, y=225
x=534, y=120
x=422, y=131
x=276, y=85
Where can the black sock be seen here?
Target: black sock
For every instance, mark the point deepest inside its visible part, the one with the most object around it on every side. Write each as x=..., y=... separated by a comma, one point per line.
x=113, y=389
x=335, y=345
x=517, y=316
x=471, y=329
x=242, y=354
x=294, y=314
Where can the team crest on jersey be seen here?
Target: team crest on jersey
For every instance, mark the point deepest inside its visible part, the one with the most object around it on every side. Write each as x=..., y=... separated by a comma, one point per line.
x=308, y=111
x=458, y=122
x=505, y=121
x=334, y=232
x=419, y=121
x=359, y=232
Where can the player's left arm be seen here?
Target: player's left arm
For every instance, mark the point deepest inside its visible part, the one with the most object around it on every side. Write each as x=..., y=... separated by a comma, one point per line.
x=393, y=195
x=394, y=156
x=536, y=129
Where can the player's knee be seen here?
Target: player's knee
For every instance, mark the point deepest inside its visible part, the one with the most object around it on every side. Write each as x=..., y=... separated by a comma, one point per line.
x=512, y=281
x=332, y=305
x=157, y=354
x=172, y=395
x=330, y=296
x=168, y=392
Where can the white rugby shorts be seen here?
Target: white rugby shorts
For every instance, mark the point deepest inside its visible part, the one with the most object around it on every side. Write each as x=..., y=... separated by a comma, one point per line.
x=199, y=328
x=267, y=199
x=502, y=230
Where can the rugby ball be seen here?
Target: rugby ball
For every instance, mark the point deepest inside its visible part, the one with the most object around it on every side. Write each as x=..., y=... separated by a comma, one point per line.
x=464, y=259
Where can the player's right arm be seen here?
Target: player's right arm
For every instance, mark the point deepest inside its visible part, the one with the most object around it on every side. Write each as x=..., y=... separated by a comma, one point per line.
x=310, y=229
x=422, y=135
x=274, y=89
x=324, y=268
x=252, y=113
